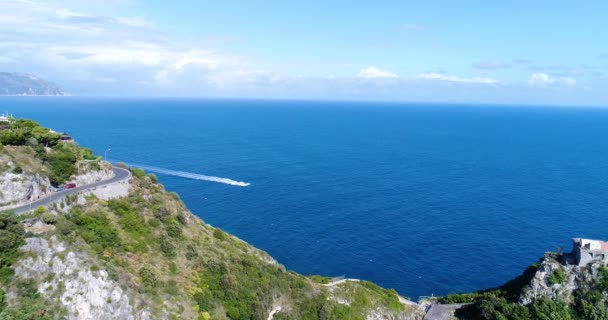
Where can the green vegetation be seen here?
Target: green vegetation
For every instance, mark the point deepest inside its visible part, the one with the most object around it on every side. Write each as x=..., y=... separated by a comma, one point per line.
x=186, y=262
x=23, y=131
x=62, y=162
x=501, y=303
x=30, y=304
x=493, y=305
x=11, y=238
x=558, y=276
x=459, y=298
x=30, y=141
x=93, y=227
x=320, y=279
x=137, y=172
x=219, y=234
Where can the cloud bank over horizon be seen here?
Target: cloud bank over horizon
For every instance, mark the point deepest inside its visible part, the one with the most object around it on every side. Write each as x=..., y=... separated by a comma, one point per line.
x=129, y=49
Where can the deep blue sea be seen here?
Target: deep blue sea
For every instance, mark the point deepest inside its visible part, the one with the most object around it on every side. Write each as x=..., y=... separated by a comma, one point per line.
x=423, y=198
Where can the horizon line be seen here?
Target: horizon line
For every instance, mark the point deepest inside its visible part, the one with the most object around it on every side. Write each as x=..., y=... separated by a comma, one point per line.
x=331, y=100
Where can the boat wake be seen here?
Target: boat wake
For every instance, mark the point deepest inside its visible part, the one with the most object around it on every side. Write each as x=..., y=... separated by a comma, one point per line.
x=191, y=175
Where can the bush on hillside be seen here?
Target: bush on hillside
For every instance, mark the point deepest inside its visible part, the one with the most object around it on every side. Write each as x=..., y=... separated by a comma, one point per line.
x=137, y=172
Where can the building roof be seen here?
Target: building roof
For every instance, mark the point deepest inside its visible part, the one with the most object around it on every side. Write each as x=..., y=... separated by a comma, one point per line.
x=595, y=245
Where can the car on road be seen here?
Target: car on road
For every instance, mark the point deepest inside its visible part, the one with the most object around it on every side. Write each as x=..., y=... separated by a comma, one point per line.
x=70, y=186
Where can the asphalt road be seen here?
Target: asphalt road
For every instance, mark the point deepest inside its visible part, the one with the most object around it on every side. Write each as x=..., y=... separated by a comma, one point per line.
x=120, y=174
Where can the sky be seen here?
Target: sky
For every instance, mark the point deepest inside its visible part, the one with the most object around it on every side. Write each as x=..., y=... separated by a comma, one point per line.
x=508, y=52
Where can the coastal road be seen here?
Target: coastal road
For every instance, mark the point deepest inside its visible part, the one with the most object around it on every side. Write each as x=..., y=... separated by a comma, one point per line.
x=120, y=174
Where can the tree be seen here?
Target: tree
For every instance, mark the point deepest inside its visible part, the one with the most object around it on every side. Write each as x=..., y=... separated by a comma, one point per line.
x=547, y=309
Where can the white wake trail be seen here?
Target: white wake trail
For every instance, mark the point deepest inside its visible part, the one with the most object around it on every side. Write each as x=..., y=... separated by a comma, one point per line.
x=191, y=175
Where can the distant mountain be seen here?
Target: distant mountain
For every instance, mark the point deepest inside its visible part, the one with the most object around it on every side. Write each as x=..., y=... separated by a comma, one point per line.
x=23, y=84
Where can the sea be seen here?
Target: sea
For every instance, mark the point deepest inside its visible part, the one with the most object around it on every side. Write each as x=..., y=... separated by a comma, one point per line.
x=428, y=199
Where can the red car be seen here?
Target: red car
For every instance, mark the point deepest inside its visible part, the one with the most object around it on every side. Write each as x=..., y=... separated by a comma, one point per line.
x=70, y=186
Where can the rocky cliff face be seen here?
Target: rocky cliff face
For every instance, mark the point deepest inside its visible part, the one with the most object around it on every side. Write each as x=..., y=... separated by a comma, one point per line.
x=21, y=188
x=18, y=187
x=92, y=176
x=71, y=279
x=558, y=282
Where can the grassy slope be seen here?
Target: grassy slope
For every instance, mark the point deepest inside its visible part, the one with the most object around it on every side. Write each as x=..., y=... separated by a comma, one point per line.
x=174, y=264
x=164, y=251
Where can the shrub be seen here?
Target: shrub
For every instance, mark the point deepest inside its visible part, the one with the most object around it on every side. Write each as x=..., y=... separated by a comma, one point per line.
x=153, y=178
x=167, y=247
x=49, y=218
x=175, y=196
x=148, y=276
x=601, y=281
x=558, y=276
x=550, y=309
x=130, y=220
x=94, y=228
x=162, y=214
x=174, y=229
x=320, y=279
x=39, y=211
x=137, y=172
x=62, y=165
x=459, y=298
x=12, y=237
x=219, y=234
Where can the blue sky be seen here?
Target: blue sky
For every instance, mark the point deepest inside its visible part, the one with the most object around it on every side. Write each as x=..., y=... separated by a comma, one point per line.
x=524, y=52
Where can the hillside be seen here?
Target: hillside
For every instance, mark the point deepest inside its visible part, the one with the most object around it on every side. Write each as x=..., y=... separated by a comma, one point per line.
x=134, y=251
x=22, y=84
x=554, y=288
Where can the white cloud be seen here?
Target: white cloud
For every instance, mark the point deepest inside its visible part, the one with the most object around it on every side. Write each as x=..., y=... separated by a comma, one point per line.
x=540, y=79
x=375, y=73
x=75, y=46
x=543, y=80
x=450, y=78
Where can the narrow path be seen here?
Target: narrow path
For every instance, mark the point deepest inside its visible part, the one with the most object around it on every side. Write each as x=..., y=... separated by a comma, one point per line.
x=120, y=174
x=337, y=282
x=407, y=302
x=402, y=300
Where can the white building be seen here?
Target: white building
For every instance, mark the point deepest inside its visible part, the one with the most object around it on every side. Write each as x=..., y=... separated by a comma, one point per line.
x=587, y=250
x=4, y=117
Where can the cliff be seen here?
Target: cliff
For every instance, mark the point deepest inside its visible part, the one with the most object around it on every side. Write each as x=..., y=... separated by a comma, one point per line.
x=552, y=288
x=23, y=84
x=132, y=250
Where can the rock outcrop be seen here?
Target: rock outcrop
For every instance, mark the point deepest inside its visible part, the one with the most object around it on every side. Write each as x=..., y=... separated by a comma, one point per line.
x=82, y=289
x=557, y=281
x=94, y=176
x=17, y=188
x=20, y=188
